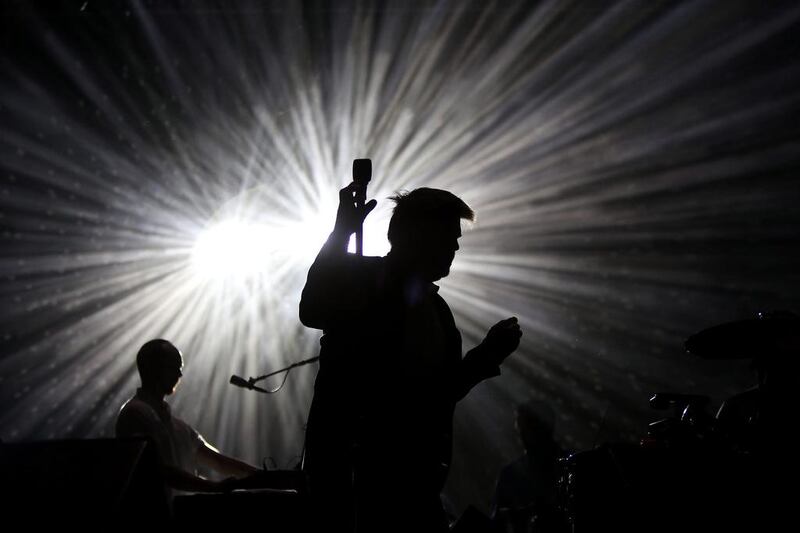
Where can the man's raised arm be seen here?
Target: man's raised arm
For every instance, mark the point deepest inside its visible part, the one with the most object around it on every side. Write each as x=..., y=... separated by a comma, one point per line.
x=333, y=278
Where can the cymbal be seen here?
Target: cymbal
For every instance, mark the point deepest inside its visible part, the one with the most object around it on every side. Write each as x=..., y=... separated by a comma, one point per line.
x=767, y=335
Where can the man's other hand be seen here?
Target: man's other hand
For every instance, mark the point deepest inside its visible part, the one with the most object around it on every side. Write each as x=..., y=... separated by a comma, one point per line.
x=229, y=484
x=502, y=339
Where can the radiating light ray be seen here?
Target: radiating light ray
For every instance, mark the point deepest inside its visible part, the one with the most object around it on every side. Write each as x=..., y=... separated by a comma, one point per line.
x=633, y=167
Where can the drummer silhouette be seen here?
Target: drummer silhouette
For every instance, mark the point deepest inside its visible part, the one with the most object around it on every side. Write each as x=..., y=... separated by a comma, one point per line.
x=756, y=428
x=758, y=421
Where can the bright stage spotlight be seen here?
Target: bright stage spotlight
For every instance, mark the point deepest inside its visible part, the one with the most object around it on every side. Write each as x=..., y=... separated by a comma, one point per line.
x=232, y=247
x=256, y=246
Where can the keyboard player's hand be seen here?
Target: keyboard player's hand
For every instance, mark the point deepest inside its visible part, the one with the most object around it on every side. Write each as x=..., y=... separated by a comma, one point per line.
x=228, y=484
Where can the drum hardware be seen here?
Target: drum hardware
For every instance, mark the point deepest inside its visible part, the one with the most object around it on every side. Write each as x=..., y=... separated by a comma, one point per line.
x=686, y=472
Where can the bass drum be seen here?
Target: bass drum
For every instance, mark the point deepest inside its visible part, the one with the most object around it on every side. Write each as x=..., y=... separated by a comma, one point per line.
x=623, y=487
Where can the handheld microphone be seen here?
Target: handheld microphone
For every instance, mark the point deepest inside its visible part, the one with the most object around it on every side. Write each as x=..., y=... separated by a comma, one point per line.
x=241, y=382
x=362, y=171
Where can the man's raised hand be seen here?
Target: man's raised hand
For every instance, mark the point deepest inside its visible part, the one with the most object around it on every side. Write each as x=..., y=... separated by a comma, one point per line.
x=349, y=217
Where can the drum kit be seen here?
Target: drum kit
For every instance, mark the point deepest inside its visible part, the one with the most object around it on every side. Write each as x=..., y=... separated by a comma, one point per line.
x=692, y=470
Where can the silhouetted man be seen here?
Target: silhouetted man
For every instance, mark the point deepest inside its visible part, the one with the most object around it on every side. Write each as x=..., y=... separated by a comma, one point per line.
x=180, y=447
x=526, y=491
x=391, y=371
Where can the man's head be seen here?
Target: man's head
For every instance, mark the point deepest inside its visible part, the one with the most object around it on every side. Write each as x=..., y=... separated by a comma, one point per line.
x=535, y=423
x=160, y=364
x=425, y=228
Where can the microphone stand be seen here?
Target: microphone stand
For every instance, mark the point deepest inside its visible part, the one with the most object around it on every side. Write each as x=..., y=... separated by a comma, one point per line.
x=250, y=383
x=362, y=174
x=360, y=198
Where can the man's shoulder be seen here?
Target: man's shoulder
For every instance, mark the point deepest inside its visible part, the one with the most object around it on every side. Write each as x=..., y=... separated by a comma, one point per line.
x=366, y=274
x=350, y=268
x=135, y=406
x=368, y=261
x=135, y=417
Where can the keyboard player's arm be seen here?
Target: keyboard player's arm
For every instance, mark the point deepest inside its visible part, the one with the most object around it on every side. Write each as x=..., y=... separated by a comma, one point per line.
x=182, y=480
x=223, y=464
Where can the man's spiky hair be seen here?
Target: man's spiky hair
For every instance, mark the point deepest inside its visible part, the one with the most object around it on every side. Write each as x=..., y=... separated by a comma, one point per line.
x=413, y=210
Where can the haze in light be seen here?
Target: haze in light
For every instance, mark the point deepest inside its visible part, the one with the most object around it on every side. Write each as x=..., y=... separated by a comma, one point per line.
x=240, y=249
